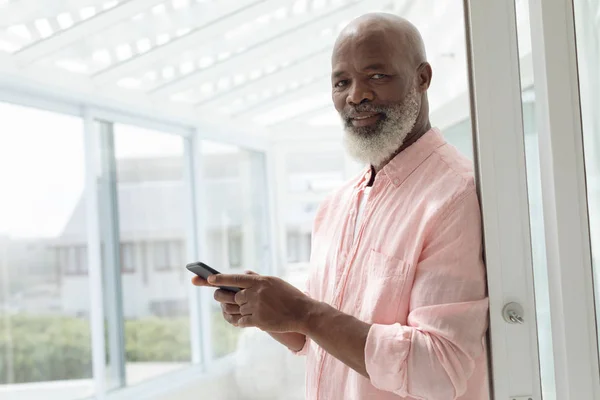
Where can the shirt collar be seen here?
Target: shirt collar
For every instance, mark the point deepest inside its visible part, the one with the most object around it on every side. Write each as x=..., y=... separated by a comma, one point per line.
x=407, y=161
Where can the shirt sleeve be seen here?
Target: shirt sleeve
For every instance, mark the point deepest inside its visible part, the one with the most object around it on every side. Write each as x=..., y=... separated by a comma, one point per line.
x=433, y=355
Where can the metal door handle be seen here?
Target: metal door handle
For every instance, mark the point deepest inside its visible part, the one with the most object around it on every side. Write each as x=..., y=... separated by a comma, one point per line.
x=513, y=313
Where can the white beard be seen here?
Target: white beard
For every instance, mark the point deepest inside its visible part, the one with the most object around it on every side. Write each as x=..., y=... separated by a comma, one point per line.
x=376, y=144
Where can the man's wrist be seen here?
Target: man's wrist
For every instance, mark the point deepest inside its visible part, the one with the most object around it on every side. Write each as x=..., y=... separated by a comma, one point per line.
x=312, y=315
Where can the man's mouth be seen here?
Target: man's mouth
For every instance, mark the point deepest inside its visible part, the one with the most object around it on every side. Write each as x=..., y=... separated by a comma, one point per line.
x=365, y=119
x=359, y=117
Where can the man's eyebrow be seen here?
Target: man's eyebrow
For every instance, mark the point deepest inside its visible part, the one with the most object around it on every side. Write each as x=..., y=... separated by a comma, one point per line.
x=370, y=67
x=375, y=66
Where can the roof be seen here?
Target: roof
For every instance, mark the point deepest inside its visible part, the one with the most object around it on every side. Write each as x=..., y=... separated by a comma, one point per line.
x=151, y=198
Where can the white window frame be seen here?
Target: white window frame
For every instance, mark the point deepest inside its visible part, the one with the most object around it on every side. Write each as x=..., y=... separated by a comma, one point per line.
x=496, y=114
x=570, y=273
x=193, y=134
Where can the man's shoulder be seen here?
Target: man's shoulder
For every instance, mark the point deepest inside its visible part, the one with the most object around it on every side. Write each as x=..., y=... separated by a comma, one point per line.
x=448, y=178
x=454, y=165
x=454, y=172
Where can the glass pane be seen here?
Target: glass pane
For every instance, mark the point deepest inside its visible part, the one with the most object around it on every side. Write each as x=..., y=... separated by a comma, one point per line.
x=235, y=224
x=152, y=211
x=310, y=175
x=45, y=344
x=536, y=214
x=588, y=52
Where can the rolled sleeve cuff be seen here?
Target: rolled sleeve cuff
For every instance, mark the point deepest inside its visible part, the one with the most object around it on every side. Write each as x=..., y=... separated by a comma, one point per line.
x=386, y=351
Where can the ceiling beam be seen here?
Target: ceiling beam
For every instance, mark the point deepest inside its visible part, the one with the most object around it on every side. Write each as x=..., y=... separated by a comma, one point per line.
x=303, y=34
x=83, y=29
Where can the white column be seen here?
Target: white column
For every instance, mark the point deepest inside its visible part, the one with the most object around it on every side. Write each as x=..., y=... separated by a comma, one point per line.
x=278, y=183
x=202, y=298
x=94, y=255
x=192, y=243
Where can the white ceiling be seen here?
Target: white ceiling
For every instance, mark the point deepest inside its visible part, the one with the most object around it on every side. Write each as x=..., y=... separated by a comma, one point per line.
x=257, y=64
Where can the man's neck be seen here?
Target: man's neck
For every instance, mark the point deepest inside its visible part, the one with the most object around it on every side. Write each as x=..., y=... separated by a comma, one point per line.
x=416, y=134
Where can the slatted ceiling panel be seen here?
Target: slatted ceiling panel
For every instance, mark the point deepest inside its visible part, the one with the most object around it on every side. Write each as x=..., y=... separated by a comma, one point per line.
x=25, y=22
x=201, y=40
x=274, y=80
x=133, y=36
x=256, y=63
x=292, y=36
x=18, y=12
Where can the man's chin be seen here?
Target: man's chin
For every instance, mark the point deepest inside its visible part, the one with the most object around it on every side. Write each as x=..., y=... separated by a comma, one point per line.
x=362, y=131
x=373, y=148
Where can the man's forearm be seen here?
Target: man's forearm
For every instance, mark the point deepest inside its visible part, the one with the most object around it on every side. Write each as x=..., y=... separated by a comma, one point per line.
x=292, y=340
x=339, y=334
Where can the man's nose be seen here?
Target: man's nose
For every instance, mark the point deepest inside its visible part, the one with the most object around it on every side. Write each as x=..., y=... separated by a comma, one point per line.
x=359, y=94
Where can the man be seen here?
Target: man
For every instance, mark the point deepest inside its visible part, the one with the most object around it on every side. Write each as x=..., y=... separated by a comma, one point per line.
x=396, y=302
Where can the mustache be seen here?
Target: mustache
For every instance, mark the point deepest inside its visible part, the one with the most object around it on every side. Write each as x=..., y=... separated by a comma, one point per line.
x=354, y=111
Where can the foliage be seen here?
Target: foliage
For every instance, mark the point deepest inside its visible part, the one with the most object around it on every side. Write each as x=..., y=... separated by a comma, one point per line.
x=37, y=348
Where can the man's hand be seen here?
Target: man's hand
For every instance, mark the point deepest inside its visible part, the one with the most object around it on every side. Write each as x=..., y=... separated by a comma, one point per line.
x=265, y=302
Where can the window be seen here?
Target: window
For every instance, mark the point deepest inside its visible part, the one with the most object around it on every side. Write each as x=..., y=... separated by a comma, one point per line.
x=153, y=211
x=128, y=260
x=235, y=249
x=161, y=260
x=176, y=254
x=293, y=247
x=588, y=43
x=44, y=296
x=235, y=224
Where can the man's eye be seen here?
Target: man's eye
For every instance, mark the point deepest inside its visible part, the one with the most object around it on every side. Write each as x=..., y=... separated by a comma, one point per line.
x=378, y=76
x=341, y=84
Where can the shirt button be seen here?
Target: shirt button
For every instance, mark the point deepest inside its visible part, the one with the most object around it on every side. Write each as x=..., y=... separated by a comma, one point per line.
x=396, y=182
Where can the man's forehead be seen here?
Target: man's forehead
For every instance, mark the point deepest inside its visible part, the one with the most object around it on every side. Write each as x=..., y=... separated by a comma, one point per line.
x=367, y=43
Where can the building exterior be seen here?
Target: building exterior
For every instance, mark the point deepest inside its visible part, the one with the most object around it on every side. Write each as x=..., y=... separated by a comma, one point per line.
x=152, y=221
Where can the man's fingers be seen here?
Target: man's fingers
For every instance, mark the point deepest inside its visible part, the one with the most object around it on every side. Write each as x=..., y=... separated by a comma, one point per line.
x=245, y=309
x=232, y=319
x=224, y=296
x=245, y=321
x=241, y=297
x=198, y=281
x=236, y=280
x=231, y=309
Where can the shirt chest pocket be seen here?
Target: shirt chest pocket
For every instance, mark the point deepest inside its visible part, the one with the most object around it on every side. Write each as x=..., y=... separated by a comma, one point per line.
x=385, y=279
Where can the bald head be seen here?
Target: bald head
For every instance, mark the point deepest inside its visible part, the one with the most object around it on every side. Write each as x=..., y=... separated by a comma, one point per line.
x=380, y=78
x=389, y=27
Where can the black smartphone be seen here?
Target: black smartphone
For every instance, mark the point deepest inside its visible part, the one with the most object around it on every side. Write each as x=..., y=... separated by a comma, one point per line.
x=204, y=271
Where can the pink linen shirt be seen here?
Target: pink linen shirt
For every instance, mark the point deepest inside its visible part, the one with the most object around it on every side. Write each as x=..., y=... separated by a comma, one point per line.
x=414, y=271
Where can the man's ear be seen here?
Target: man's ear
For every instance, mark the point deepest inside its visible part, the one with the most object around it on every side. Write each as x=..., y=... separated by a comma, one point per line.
x=425, y=74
